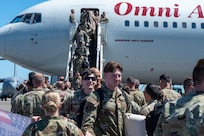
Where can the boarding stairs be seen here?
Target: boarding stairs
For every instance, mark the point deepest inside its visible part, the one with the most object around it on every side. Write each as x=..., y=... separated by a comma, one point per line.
x=101, y=42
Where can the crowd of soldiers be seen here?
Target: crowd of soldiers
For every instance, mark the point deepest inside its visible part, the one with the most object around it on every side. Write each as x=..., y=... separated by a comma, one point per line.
x=106, y=101
x=85, y=38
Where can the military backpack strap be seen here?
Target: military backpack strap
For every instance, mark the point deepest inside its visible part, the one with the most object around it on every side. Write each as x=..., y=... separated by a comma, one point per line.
x=101, y=97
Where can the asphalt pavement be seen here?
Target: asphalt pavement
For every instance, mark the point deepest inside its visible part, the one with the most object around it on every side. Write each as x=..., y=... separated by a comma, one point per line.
x=5, y=105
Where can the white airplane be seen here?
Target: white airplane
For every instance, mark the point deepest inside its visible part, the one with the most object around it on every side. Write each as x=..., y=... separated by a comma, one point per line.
x=148, y=38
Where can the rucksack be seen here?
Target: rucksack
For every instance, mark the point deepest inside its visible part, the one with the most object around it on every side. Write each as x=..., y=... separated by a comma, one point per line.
x=152, y=118
x=79, y=116
x=31, y=103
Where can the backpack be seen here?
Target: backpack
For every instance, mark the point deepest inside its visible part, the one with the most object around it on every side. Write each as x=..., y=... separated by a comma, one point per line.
x=31, y=103
x=152, y=118
x=79, y=116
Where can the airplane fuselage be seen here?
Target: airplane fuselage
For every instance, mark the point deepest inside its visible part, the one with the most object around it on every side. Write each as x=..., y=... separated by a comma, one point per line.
x=147, y=38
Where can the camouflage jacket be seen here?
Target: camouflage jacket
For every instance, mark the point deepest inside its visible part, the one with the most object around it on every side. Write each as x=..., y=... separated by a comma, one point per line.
x=138, y=97
x=183, y=117
x=170, y=95
x=30, y=103
x=73, y=102
x=109, y=120
x=147, y=108
x=52, y=126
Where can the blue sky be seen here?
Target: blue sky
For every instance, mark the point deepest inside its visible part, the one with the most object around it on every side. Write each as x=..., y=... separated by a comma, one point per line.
x=8, y=10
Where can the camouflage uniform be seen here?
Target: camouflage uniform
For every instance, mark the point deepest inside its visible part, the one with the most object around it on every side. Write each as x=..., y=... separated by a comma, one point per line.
x=184, y=117
x=15, y=103
x=52, y=126
x=33, y=108
x=81, y=36
x=138, y=97
x=109, y=120
x=170, y=95
x=76, y=83
x=77, y=62
x=78, y=97
x=82, y=50
x=147, y=108
x=64, y=96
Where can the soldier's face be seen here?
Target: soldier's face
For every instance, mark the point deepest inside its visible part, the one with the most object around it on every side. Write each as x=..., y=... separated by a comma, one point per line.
x=113, y=79
x=89, y=82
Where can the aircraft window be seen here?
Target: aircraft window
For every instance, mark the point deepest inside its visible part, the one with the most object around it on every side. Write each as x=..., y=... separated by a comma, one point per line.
x=137, y=23
x=127, y=23
x=17, y=19
x=146, y=23
x=202, y=25
x=184, y=25
x=165, y=24
x=174, y=25
x=37, y=18
x=27, y=18
x=156, y=24
x=193, y=25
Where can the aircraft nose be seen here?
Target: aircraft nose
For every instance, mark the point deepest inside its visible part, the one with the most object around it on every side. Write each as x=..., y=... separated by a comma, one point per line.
x=3, y=31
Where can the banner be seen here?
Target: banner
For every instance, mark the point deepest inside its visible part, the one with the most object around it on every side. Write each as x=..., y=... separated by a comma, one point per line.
x=12, y=124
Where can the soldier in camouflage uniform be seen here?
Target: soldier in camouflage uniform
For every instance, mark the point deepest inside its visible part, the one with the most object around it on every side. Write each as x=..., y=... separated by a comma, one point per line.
x=106, y=117
x=76, y=81
x=168, y=93
x=77, y=63
x=26, y=86
x=82, y=49
x=52, y=124
x=184, y=117
x=30, y=102
x=152, y=94
x=73, y=103
x=188, y=85
x=80, y=36
x=135, y=94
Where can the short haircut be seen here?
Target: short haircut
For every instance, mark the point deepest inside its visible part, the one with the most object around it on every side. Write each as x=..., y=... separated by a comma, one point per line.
x=188, y=82
x=111, y=66
x=165, y=77
x=153, y=90
x=87, y=73
x=39, y=78
x=133, y=80
x=198, y=72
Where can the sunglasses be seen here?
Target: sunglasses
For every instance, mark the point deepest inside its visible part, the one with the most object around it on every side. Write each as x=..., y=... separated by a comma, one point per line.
x=88, y=78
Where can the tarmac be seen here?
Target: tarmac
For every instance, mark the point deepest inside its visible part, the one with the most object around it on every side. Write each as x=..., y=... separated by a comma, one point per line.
x=5, y=105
